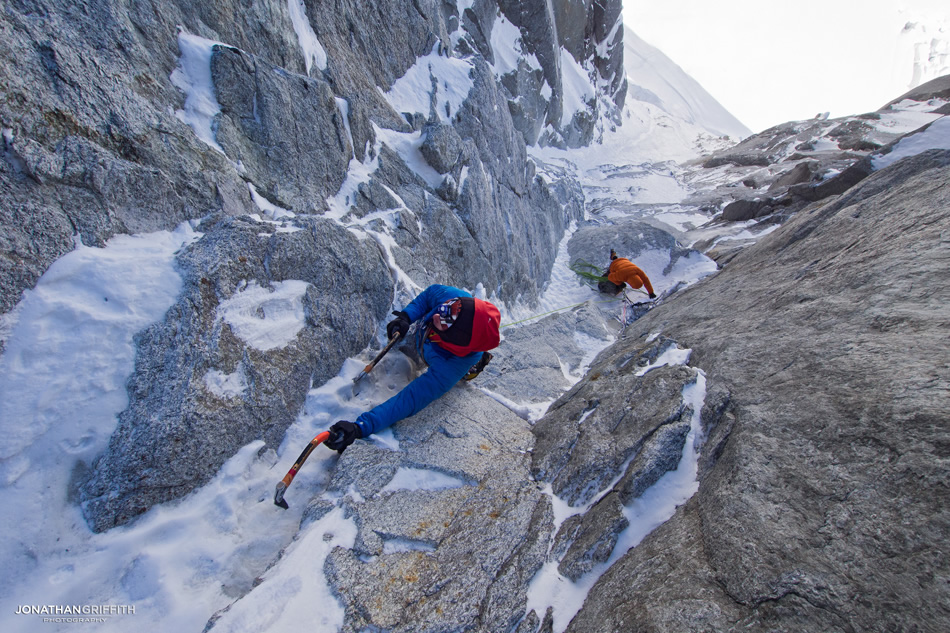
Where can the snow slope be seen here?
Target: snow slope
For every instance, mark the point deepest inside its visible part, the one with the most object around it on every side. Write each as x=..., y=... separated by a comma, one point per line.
x=654, y=78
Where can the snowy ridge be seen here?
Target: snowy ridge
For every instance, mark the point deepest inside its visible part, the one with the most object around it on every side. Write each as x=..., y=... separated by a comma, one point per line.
x=654, y=78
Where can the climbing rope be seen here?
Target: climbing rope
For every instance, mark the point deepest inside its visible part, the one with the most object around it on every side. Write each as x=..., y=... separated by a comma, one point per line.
x=590, y=274
x=576, y=305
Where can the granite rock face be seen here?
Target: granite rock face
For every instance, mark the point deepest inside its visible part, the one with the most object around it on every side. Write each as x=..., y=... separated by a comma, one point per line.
x=823, y=491
x=450, y=559
x=284, y=130
x=131, y=119
x=96, y=143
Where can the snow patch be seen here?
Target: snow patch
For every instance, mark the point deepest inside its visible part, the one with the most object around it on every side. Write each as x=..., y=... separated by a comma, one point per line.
x=422, y=479
x=71, y=348
x=448, y=77
x=508, y=48
x=269, y=209
x=672, y=355
x=576, y=86
x=224, y=385
x=265, y=318
x=407, y=146
x=401, y=545
x=290, y=589
x=937, y=136
x=193, y=77
x=313, y=52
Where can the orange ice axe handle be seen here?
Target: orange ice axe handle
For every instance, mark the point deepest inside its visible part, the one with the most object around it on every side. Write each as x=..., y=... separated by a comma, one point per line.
x=289, y=477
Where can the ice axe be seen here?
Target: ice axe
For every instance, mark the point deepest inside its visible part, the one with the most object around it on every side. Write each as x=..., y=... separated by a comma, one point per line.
x=289, y=477
x=369, y=368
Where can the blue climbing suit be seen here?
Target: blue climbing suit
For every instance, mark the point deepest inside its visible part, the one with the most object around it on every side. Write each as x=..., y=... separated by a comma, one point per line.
x=445, y=368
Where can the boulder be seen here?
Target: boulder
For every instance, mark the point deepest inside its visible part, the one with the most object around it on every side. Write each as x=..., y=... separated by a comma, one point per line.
x=442, y=146
x=449, y=559
x=743, y=210
x=632, y=239
x=261, y=313
x=800, y=173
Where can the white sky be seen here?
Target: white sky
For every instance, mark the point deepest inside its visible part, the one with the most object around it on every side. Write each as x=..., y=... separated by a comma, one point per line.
x=776, y=61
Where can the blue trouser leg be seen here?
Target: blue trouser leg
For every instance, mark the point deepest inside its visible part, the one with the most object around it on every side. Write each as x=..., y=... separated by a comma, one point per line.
x=444, y=371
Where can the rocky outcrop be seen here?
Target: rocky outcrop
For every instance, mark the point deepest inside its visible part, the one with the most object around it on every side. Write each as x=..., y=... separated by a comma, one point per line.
x=261, y=318
x=938, y=88
x=284, y=130
x=635, y=239
x=772, y=175
x=435, y=559
x=822, y=492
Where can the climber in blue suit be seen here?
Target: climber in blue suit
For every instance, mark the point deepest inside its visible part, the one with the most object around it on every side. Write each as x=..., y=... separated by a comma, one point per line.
x=457, y=332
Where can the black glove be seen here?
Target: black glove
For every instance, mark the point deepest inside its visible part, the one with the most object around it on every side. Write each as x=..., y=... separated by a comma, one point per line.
x=342, y=434
x=398, y=325
x=652, y=296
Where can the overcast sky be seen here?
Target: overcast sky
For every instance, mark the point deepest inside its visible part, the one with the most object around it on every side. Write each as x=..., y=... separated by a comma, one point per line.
x=771, y=61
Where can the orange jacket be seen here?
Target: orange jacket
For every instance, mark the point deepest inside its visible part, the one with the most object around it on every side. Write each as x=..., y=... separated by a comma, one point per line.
x=623, y=270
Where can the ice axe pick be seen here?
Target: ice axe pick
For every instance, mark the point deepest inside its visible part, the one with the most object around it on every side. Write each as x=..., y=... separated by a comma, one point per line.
x=289, y=477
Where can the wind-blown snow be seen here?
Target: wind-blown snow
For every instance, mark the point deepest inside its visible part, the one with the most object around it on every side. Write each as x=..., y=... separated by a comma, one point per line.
x=313, y=52
x=266, y=318
x=193, y=77
x=853, y=57
x=449, y=77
